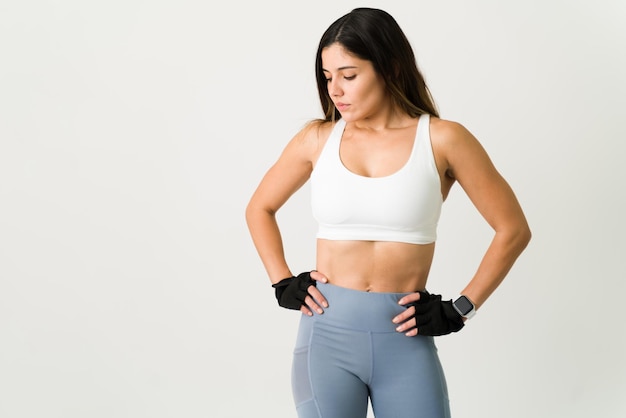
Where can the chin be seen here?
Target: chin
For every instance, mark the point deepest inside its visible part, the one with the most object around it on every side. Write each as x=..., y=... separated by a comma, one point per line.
x=348, y=116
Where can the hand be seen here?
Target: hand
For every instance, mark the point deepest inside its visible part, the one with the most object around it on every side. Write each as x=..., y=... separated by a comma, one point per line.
x=427, y=314
x=300, y=293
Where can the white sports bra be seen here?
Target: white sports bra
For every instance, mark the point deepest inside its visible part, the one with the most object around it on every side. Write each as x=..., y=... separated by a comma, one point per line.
x=402, y=207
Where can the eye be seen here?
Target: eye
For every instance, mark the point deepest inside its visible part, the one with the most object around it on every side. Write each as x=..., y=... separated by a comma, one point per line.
x=328, y=80
x=352, y=77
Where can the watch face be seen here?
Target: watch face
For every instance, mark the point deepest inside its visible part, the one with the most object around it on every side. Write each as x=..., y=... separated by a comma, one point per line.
x=464, y=305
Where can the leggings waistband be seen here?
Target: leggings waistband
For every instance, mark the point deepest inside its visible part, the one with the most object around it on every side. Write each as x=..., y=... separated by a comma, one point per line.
x=359, y=310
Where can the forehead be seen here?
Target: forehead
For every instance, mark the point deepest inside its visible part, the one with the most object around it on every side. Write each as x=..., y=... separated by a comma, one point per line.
x=337, y=57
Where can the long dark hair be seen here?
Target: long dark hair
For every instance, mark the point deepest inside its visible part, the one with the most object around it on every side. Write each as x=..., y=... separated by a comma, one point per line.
x=375, y=36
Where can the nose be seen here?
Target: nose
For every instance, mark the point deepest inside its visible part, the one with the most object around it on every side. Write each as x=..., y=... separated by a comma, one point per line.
x=334, y=90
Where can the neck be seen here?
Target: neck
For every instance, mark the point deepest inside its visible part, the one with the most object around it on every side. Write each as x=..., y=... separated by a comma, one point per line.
x=389, y=117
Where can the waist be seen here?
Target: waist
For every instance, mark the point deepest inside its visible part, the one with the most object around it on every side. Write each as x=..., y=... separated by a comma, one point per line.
x=375, y=266
x=359, y=310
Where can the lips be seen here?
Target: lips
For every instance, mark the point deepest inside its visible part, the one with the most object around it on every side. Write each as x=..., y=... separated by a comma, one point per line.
x=341, y=106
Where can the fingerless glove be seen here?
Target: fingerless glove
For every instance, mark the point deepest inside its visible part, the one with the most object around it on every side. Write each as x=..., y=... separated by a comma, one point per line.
x=292, y=291
x=434, y=316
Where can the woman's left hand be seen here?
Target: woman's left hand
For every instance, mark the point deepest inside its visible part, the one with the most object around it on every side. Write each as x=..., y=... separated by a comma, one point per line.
x=428, y=314
x=406, y=319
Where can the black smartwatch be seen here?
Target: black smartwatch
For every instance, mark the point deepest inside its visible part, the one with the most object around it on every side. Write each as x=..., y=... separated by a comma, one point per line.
x=464, y=307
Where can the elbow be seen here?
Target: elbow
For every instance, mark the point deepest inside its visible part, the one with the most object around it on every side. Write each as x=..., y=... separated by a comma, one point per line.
x=251, y=213
x=516, y=236
x=523, y=235
x=529, y=234
x=254, y=211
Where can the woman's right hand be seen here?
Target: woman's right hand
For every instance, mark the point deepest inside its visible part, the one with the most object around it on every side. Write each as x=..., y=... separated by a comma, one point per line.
x=300, y=293
x=315, y=301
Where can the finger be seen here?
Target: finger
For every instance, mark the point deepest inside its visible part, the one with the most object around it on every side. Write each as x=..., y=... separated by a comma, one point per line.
x=316, y=275
x=408, y=312
x=410, y=324
x=317, y=296
x=312, y=305
x=306, y=311
x=413, y=297
x=412, y=333
x=424, y=330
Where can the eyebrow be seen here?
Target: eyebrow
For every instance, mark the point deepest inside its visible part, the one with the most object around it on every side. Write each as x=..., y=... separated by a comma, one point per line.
x=347, y=67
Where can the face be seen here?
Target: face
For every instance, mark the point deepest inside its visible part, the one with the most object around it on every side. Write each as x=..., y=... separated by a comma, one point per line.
x=355, y=88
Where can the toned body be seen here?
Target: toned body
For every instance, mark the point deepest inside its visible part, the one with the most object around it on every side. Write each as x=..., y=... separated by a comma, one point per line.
x=375, y=266
x=392, y=266
x=377, y=196
x=377, y=142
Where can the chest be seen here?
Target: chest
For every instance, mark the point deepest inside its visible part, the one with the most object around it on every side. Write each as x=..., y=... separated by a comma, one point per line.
x=371, y=155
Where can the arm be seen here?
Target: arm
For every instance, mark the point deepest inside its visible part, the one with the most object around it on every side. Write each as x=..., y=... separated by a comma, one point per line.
x=284, y=178
x=463, y=159
x=469, y=164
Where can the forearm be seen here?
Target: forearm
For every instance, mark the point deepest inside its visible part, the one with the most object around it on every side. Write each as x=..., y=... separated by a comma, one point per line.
x=268, y=243
x=502, y=253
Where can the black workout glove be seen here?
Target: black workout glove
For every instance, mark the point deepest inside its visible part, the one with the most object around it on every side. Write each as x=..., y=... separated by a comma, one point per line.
x=434, y=316
x=290, y=292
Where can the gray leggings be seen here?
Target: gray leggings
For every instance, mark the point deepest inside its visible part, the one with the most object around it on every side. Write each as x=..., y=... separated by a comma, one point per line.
x=352, y=352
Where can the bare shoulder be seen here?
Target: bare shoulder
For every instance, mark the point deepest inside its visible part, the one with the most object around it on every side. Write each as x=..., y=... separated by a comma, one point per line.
x=457, y=149
x=316, y=131
x=310, y=140
x=446, y=133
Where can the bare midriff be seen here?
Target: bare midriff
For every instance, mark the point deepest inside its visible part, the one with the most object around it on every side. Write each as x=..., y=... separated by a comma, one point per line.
x=375, y=266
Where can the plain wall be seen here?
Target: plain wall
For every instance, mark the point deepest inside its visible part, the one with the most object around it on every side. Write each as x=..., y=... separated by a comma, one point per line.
x=133, y=133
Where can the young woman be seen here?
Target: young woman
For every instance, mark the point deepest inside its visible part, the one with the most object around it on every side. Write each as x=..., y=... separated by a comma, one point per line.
x=381, y=163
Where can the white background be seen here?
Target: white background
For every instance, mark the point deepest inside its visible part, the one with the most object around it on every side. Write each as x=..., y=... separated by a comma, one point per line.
x=132, y=134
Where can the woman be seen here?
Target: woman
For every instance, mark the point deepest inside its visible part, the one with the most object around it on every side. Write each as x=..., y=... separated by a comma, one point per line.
x=381, y=163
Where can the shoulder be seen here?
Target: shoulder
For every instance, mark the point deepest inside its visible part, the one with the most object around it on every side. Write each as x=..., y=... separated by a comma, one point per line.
x=310, y=140
x=456, y=147
x=448, y=133
x=315, y=131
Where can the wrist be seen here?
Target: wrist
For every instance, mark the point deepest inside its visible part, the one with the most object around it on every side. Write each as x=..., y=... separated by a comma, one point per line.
x=291, y=292
x=283, y=282
x=465, y=307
